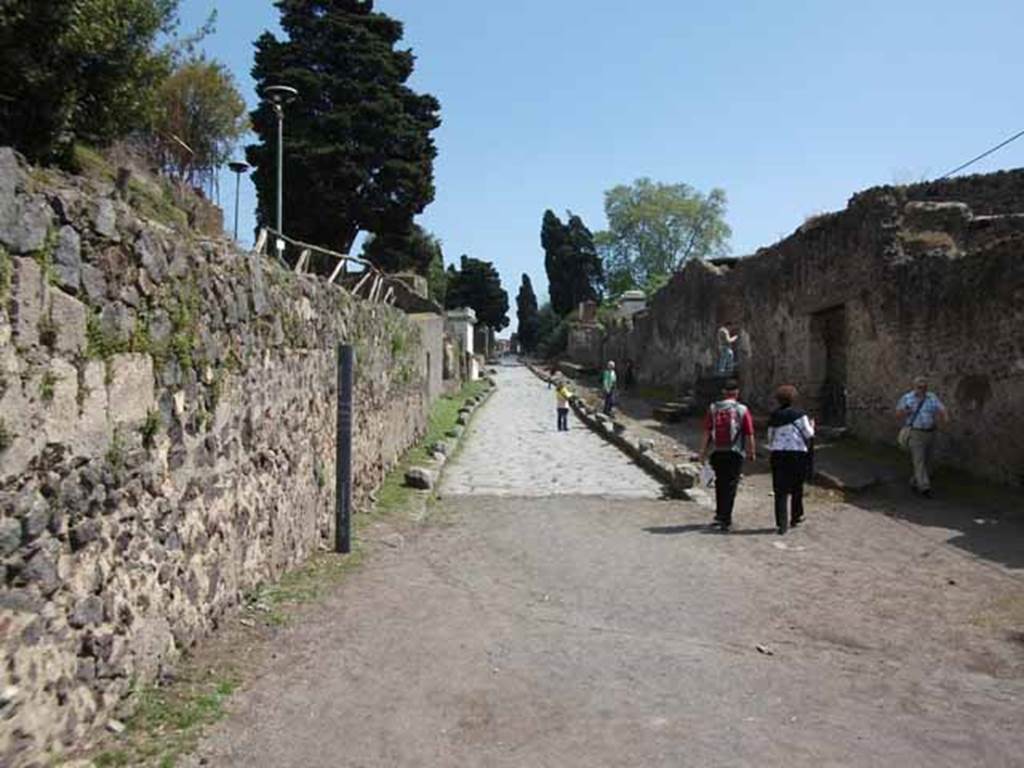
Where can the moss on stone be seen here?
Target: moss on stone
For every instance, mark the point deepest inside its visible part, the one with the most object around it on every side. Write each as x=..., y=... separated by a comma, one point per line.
x=47, y=386
x=44, y=256
x=150, y=428
x=115, y=451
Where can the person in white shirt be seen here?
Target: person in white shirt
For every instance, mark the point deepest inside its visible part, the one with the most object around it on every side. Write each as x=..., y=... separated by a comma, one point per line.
x=726, y=365
x=790, y=440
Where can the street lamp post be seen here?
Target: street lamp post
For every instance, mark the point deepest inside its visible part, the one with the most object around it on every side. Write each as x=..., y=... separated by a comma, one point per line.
x=239, y=168
x=279, y=96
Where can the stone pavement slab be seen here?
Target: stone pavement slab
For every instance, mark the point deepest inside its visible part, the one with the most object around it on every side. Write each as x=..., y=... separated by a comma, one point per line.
x=514, y=449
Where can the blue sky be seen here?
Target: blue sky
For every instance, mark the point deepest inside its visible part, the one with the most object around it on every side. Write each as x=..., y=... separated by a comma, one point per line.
x=791, y=107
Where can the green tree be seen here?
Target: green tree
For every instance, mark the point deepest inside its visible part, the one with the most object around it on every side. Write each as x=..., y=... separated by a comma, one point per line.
x=411, y=250
x=571, y=261
x=199, y=119
x=654, y=228
x=477, y=284
x=358, y=148
x=528, y=329
x=79, y=69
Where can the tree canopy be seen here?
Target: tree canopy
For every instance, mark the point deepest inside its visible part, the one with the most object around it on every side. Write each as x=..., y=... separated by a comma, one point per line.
x=79, y=69
x=409, y=250
x=199, y=118
x=477, y=284
x=528, y=316
x=571, y=261
x=653, y=228
x=358, y=150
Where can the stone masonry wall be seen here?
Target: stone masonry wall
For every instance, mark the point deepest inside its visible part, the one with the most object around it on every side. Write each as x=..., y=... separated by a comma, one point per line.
x=167, y=427
x=910, y=283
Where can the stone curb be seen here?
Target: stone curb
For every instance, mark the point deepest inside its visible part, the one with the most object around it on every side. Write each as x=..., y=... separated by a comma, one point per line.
x=426, y=477
x=681, y=480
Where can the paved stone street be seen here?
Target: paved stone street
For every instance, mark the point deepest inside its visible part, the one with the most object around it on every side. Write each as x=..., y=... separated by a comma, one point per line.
x=599, y=630
x=514, y=450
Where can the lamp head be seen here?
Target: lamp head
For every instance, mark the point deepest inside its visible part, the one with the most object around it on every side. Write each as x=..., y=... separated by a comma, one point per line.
x=238, y=166
x=279, y=95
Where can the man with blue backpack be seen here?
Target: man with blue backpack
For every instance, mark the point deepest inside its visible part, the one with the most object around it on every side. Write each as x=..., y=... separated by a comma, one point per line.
x=729, y=434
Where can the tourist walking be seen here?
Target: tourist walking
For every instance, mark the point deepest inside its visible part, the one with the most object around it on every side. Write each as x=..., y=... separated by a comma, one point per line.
x=790, y=440
x=921, y=413
x=726, y=365
x=608, y=387
x=729, y=437
x=562, y=398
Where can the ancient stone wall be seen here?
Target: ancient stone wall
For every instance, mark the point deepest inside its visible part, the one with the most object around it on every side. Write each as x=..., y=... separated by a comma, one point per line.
x=854, y=304
x=167, y=429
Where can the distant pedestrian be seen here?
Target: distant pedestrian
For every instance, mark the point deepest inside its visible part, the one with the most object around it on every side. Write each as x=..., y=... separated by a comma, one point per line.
x=729, y=436
x=609, y=386
x=726, y=365
x=921, y=413
x=562, y=398
x=791, y=441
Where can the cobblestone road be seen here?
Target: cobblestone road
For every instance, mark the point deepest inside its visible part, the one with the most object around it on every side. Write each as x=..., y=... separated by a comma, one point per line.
x=513, y=449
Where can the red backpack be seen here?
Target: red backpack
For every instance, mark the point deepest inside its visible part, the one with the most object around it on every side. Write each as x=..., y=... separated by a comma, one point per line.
x=727, y=425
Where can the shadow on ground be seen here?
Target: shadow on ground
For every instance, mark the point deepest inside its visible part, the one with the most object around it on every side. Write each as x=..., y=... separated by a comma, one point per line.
x=672, y=530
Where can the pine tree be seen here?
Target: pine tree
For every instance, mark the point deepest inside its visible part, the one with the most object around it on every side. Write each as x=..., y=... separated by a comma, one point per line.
x=358, y=150
x=528, y=316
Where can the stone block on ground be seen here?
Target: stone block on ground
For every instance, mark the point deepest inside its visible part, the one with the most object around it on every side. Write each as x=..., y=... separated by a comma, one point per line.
x=685, y=476
x=419, y=477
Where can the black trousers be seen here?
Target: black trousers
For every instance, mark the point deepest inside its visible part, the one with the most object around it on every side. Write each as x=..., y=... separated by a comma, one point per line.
x=727, y=466
x=789, y=471
x=563, y=419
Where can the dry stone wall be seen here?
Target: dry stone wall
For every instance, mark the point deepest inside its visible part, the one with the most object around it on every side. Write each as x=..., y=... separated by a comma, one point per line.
x=854, y=304
x=167, y=428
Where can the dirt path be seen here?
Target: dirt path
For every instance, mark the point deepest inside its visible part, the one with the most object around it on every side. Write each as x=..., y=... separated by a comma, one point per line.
x=595, y=630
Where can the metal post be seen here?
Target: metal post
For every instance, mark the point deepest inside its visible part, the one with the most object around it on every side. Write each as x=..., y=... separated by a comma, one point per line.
x=280, y=168
x=343, y=452
x=238, y=185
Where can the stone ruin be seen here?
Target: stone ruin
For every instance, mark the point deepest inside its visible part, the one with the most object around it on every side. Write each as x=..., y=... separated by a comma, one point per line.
x=926, y=279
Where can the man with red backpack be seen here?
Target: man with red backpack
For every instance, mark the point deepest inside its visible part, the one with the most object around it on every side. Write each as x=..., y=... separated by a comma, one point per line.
x=729, y=433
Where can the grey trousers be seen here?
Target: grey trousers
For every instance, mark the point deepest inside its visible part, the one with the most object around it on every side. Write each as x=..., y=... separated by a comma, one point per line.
x=921, y=448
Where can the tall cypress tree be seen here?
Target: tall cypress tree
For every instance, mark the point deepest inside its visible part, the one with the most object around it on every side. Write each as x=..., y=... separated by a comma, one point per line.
x=358, y=150
x=528, y=330
x=554, y=242
x=587, y=275
x=571, y=261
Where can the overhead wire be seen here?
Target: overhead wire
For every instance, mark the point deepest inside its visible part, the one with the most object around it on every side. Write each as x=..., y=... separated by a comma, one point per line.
x=982, y=155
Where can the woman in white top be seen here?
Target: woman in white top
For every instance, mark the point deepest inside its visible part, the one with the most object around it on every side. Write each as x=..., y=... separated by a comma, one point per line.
x=791, y=441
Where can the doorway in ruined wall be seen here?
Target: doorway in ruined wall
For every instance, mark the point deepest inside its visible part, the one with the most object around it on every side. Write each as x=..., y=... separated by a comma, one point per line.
x=828, y=364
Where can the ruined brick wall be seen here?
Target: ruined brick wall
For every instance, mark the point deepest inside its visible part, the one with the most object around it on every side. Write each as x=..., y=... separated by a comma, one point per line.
x=167, y=428
x=909, y=283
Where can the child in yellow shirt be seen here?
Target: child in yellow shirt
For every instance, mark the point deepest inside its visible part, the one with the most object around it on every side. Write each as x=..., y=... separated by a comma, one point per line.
x=562, y=398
